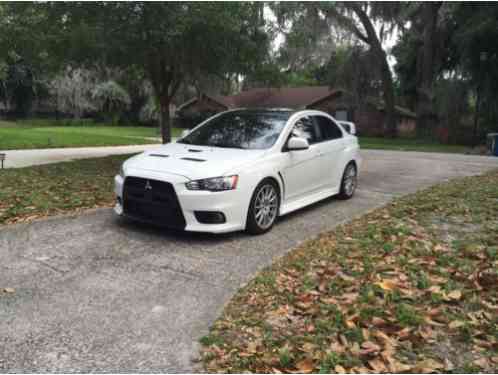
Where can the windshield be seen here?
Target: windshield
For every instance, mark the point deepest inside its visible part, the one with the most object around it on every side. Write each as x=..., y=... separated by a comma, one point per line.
x=253, y=130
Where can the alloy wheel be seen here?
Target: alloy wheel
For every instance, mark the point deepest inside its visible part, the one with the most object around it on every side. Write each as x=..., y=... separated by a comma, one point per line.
x=350, y=180
x=266, y=206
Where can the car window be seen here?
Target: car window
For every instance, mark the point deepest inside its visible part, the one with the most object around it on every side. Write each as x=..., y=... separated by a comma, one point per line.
x=329, y=130
x=240, y=129
x=307, y=129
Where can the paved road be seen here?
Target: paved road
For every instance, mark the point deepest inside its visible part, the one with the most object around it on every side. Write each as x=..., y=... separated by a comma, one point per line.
x=96, y=293
x=26, y=158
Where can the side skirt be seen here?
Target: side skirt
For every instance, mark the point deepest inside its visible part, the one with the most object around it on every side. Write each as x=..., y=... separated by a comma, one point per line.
x=296, y=204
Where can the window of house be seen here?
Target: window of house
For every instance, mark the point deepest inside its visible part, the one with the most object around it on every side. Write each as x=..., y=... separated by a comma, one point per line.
x=328, y=129
x=341, y=115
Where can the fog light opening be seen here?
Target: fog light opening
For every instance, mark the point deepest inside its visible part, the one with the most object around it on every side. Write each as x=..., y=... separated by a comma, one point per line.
x=210, y=217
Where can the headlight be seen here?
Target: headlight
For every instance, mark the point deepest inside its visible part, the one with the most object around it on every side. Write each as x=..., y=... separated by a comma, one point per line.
x=121, y=171
x=214, y=184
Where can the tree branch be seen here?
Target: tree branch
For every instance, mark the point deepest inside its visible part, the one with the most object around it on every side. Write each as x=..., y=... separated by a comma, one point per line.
x=367, y=24
x=331, y=12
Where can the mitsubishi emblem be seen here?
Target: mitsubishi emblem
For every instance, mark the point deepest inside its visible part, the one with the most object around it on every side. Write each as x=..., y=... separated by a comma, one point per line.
x=148, y=186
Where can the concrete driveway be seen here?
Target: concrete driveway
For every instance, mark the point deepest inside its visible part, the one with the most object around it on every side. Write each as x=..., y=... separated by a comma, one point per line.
x=95, y=293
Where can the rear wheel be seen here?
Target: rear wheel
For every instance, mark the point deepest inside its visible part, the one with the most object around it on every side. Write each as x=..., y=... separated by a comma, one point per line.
x=264, y=206
x=349, y=181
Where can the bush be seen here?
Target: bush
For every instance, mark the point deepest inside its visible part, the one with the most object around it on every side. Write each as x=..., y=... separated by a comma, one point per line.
x=112, y=99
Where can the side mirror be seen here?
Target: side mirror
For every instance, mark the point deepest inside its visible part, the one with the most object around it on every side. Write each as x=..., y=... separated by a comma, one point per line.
x=185, y=132
x=350, y=127
x=297, y=143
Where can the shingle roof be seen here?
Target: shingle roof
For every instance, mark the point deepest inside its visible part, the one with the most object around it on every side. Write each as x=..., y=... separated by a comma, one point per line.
x=285, y=97
x=288, y=97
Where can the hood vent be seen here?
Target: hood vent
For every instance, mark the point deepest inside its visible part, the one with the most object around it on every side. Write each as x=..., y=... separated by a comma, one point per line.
x=159, y=155
x=194, y=159
x=193, y=150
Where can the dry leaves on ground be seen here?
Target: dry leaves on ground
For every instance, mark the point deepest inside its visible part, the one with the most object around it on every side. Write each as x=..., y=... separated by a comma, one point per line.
x=407, y=288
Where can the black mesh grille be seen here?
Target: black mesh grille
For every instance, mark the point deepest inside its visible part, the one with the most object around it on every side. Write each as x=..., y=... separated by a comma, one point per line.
x=152, y=201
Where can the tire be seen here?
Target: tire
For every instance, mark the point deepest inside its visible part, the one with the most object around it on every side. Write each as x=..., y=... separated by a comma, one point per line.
x=264, y=207
x=349, y=182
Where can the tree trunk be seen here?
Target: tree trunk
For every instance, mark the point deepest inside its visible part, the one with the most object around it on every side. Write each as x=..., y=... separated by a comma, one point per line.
x=386, y=76
x=426, y=117
x=388, y=88
x=476, y=117
x=164, y=119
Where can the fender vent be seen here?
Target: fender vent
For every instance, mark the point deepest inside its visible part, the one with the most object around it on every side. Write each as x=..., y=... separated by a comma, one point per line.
x=159, y=155
x=194, y=159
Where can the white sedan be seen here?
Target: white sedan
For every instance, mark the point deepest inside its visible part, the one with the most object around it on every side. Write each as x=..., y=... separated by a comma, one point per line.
x=239, y=170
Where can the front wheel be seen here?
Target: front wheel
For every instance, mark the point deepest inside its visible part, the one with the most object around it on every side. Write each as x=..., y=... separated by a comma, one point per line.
x=349, y=182
x=264, y=207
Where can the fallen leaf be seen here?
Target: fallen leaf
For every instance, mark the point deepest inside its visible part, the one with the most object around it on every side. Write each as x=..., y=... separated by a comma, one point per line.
x=369, y=347
x=308, y=347
x=404, y=333
x=387, y=284
x=349, y=297
x=343, y=340
x=456, y=324
x=488, y=278
x=398, y=367
x=482, y=362
x=365, y=333
x=454, y=295
x=355, y=349
x=252, y=347
x=376, y=321
x=350, y=324
x=306, y=366
x=377, y=365
x=428, y=320
x=435, y=289
x=339, y=369
x=428, y=366
x=337, y=347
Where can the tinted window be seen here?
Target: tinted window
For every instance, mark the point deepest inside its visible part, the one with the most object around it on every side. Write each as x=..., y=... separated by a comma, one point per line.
x=328, y=128
x=240, y=129
x=306, y=128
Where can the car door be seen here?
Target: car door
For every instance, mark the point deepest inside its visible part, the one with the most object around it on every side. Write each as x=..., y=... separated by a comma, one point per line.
x=301, y=172
x=330, y=149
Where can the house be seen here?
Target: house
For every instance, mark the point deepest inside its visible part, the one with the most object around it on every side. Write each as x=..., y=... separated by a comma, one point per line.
x=369, y=119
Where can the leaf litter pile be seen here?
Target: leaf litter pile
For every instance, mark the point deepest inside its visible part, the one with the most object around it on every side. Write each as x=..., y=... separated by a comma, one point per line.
x=411, y=287
x=33, y=192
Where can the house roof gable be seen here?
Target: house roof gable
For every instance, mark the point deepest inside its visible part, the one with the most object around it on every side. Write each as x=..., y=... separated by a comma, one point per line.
x=285, y=97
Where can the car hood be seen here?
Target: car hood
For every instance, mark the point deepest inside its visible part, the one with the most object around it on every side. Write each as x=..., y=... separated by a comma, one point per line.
x=192, y=162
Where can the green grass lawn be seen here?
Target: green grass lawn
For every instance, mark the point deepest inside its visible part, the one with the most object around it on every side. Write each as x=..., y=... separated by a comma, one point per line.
x=411, y=287
x=33, y=192
x=43, y=133
x=31, y=134
x=409, y=145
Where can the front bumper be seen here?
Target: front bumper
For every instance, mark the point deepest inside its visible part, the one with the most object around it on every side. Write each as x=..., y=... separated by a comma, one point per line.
x=232, y=203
